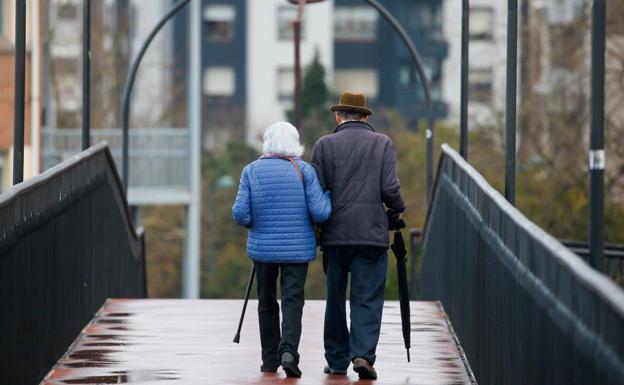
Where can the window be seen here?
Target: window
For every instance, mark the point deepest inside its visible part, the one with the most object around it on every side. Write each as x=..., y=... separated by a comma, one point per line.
x=426, y=19
x=219, y=81
x=355, y=24
x=69, y=87
x=285, y=84
x=480, y=85
x=482, y=23
x=286, y=17
x=219, y=22
x=68, y=10
x=357, y=80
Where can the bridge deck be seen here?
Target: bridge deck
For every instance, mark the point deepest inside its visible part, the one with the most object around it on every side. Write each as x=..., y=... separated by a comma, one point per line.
x=190, y=342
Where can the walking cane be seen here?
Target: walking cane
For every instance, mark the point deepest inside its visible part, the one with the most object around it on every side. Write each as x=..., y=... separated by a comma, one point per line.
x=249, y=284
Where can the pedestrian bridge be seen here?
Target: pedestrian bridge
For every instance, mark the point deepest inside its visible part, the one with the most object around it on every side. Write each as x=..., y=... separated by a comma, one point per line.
x=525, y=309
x=190, y=342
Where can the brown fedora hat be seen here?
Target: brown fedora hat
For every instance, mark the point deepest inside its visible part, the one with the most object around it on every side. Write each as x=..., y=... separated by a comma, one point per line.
x=352, y=102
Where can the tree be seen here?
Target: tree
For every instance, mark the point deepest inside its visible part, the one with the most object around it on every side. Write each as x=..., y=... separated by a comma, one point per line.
x=314, y=91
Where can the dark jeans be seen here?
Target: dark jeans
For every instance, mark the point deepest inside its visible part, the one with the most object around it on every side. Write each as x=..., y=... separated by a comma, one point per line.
x=368, y=279
x=292, y=281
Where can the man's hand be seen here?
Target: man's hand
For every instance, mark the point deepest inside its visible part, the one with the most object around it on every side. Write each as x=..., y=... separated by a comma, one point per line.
x=395, y=223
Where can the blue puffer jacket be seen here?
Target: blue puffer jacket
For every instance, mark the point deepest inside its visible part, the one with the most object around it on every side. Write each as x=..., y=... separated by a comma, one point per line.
x=273, y=204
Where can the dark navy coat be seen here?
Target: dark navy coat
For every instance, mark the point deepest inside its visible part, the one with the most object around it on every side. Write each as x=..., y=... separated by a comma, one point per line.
x=279, y=209
x=358, y=166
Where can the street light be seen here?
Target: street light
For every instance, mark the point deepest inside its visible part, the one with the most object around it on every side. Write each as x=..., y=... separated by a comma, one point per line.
x=297, y=38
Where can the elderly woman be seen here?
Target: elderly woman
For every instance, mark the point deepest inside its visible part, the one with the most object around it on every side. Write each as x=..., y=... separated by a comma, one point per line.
x=279, y=199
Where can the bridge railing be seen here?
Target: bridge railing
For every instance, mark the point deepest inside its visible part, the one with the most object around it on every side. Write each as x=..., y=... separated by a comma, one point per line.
x=526, y=309
x=66, y=245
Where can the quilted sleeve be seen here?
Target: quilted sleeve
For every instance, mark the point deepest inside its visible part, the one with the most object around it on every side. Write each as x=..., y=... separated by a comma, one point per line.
x=241, y=211
x=390, y=184
x=319, y=201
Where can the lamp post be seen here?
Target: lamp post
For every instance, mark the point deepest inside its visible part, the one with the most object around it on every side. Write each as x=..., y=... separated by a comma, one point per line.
x=86, y=74
x=512, y=83
x=125, y=104
x=20, y=91
x=297, y=25
x=597, y=152
x=465, y=56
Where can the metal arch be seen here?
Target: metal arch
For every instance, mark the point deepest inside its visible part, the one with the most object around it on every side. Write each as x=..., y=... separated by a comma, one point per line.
x=409, y=44
x=130, y=84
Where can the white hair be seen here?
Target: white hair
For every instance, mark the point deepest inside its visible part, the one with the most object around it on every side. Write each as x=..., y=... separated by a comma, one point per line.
x=282, y=138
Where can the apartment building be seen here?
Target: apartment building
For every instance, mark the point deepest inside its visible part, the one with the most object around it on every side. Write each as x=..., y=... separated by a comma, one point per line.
x=270, y=57
x=248, y=59
x=488, y=56
x=370, y=56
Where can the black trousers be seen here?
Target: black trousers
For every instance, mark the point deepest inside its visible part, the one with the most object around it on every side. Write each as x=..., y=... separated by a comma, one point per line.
x=367, y=266
x=292, y=282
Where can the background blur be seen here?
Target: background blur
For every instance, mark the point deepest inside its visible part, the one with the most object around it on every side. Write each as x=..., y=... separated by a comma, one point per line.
x=248, y=83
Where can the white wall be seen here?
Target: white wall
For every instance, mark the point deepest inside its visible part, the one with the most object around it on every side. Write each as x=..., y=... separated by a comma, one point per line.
x=266, y=54
x=483, y=54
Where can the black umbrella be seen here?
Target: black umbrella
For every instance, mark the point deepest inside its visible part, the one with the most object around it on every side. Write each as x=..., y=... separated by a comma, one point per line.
x=399, y=250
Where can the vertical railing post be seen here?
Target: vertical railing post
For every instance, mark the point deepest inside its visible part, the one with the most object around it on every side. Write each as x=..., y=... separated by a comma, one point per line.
x=463, y=114
x=86, y=74
x=597, y=151
x=20, y=91
x=35, y=90
x=510, y=127
x=298, y=111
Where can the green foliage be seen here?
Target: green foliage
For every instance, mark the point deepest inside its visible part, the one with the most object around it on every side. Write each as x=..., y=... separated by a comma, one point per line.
x=164, y=238
x=314, y=91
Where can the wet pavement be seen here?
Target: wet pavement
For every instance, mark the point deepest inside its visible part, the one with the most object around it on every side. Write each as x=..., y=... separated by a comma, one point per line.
x=190, y=342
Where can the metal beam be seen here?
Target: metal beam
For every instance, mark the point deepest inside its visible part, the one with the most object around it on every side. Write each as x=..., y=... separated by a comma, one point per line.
x=409, y=44
x=35, y=90
x=130, y=84
x=463, y=114
x=512, y=80
x=86, y=74
x=597, y=150
x=20, y=91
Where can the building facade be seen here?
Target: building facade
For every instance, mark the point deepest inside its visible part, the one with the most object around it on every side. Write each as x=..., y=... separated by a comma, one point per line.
x=488, y=57
x=270, y=59
x=248, y=59
x=370, y=56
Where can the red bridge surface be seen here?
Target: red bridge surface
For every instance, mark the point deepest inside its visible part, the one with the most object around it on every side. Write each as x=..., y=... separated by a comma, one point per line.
x=190, y=342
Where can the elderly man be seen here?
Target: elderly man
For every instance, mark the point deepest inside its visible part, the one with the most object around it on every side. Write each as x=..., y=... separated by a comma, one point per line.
x=358, y=166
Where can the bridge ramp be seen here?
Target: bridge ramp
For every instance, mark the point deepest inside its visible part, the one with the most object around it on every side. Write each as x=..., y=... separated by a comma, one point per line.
x=190, y=342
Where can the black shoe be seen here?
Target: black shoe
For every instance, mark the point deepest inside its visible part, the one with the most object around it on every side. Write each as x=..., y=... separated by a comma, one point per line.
x=364, y=369
x=269, y=368
x=289, y=364
x=328, y=370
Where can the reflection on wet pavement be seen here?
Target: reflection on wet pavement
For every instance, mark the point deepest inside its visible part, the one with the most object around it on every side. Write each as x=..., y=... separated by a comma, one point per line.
x=190, y=342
